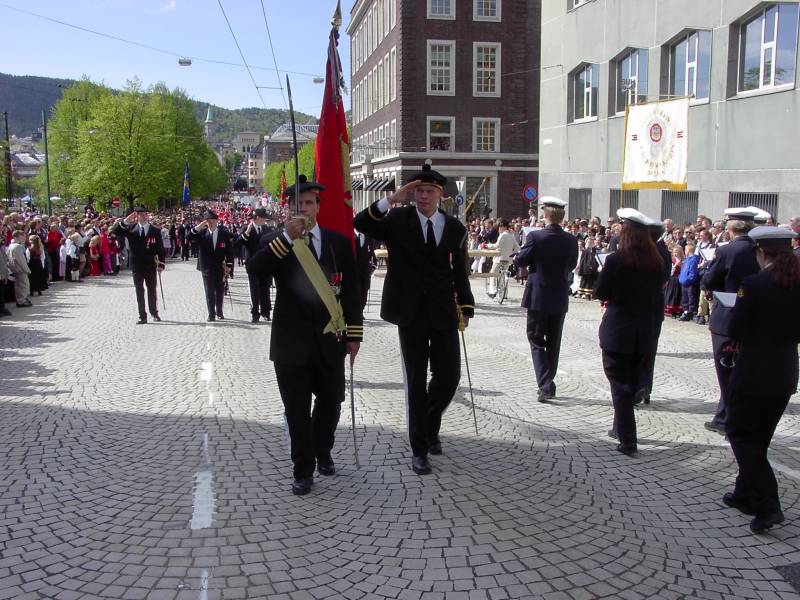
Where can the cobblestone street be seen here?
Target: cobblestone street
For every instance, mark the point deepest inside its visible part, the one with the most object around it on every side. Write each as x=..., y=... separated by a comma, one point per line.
x=152, y=462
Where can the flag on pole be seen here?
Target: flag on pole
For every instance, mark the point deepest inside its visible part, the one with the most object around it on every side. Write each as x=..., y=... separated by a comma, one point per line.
x=186, y=197
x=283, y=186
x=657, y=146
x=332, y=148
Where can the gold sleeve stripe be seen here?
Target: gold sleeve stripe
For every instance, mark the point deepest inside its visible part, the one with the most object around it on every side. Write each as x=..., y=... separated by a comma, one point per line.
x=371, y=214
x=467, y=305
x=281, y=244
x=279, y=252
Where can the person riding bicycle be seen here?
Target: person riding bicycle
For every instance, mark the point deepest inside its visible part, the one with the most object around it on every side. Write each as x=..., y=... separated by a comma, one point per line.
x=507, y=245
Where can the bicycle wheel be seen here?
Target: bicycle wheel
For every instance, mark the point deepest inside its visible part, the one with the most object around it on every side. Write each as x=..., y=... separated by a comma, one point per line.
x=489, y=290
x=502, y=287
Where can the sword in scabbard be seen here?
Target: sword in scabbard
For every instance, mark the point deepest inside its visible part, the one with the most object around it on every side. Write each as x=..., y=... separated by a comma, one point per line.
x=160, y=285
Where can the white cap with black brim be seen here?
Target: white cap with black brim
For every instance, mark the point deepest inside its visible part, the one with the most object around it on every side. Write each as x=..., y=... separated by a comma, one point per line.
x=769, y=235
x=739, y=214
x=551, y=202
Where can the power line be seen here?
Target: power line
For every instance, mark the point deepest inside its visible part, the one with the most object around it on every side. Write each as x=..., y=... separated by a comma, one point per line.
x=235, y=41
x=147, y=46
x=272, y=49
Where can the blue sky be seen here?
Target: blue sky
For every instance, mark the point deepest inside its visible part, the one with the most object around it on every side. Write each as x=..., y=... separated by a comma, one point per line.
x=299, y=31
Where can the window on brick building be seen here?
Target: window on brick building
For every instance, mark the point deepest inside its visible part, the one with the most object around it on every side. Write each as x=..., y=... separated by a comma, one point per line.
x=441, y=68
x=486, y=69
x=485, y=135
x=441, y=9
x=441, y=133
x=486, y=10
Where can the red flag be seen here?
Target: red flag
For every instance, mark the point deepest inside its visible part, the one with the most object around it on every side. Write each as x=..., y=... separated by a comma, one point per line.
x=332, y=148
x=283, y=186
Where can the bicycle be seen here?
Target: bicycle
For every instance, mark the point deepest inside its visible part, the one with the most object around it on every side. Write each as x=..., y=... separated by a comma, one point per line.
x=499, y=291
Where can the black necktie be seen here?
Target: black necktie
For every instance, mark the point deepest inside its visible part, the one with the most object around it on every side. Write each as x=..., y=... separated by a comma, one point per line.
x=311, y=245
x=430, y=242
x=141, y=230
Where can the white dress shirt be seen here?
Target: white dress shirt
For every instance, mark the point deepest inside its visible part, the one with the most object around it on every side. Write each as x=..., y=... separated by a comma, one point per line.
x=315, y=237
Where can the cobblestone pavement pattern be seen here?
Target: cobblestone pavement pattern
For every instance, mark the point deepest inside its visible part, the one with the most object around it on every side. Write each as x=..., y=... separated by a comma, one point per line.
x=152, y=462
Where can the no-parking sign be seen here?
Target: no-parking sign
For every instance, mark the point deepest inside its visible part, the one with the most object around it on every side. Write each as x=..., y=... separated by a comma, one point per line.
x=529, y=193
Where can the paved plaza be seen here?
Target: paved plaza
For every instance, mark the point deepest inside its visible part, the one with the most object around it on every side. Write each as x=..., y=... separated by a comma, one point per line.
x=152, y=462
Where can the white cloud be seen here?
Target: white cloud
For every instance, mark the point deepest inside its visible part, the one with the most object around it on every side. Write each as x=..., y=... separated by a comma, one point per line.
x=171, y=5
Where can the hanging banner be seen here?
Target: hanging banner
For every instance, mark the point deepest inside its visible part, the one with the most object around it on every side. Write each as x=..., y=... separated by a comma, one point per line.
x=656, y=146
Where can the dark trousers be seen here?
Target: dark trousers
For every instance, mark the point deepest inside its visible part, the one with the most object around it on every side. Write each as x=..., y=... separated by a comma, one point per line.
x=689, y=298
x=150, y=278
x=623, y=372
x=260, y=302
x=723, y=377
x=751, y=424
x=420, y=344
x=544, y=337
x=54, y=262
x=214, y=287
x=366, y=279
x=649, y=364
x=311, y=432
x=185, y=251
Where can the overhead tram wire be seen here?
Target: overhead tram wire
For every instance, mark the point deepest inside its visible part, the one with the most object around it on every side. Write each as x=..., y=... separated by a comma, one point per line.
x=239, y=48
x=147, y=46
x=274, y=60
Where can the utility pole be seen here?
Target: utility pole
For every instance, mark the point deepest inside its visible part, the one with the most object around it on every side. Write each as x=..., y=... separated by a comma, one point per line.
x=7, y=159
x=46, y=164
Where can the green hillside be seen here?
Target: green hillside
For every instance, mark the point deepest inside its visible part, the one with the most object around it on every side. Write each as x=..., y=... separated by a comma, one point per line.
x=24, y=97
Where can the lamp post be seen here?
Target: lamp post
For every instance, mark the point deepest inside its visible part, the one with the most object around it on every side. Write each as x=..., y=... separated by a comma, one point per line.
x=46, y=164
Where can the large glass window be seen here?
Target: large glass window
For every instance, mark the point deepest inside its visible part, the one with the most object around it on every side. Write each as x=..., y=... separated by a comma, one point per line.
x=690, y=65
x=486, y=10
x=631, y=79
x=441, y=9
x=486, y=68
x=768, y=48
x=441, y=74
x=583, y=93
x=441, y=133
x=486, y=135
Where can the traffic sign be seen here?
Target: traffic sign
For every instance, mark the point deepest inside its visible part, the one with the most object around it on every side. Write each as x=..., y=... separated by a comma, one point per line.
x=529, y=193
x=115, y=202
x=459, y=199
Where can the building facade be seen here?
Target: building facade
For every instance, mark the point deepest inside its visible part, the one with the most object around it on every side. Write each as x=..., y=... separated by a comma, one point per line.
x=452, y=82
x=736, y=59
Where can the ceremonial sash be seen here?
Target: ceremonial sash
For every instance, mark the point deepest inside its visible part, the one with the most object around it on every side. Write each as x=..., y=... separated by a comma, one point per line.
x=321, y=285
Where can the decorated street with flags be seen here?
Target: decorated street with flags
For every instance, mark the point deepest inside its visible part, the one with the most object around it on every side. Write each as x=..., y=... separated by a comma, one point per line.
x=163, y=474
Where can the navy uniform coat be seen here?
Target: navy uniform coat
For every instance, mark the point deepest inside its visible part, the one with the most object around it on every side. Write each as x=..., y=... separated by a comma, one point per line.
x=210, y=259
x=143, y=249
x=732, y=263
x=550, y=255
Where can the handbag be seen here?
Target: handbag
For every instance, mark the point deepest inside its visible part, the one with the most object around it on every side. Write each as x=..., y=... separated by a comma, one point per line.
x=719, y=322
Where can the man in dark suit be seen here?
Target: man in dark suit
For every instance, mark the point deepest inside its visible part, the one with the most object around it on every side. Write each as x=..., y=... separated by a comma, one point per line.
x=308, y=342
x=426, y=287
x=182, y=230
x=550, y=255
x=147, y=258
x=215, y=246
x=260, y=302
x=365, y=263
x=732, y=263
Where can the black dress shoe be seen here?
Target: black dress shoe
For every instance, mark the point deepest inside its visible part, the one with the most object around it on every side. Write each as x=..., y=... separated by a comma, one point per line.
x=211, y=318
x=325, y=466
x=255, y=319
x=221, y=317
x=613, y=434
x=4, y=312
x=762, y=524
x=436, y=448
x=156, y=318
x=641, y=396
x=715, y=427
x=141, y=322
x=267, y=318
x=421, y=465
x=628, y=449
x=25, y=304
x=301, y=486
x=743, y=506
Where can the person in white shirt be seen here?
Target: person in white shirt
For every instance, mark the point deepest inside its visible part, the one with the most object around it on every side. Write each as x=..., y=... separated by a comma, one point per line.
x=508, y=245
x=18, y=265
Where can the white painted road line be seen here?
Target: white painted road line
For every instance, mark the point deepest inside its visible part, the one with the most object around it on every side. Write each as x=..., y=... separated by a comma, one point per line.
x=203, y=501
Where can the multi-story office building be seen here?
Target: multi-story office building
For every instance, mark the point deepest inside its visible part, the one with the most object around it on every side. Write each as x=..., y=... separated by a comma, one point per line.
x=736, y=59
x=450, y=81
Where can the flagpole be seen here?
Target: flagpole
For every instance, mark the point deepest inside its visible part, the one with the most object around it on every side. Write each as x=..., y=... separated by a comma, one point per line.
x=294, y=145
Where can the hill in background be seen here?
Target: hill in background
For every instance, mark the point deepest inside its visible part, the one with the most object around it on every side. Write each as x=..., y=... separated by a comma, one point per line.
x=24, y=97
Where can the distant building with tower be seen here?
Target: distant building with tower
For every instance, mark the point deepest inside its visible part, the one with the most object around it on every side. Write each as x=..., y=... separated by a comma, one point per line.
x=210, y=128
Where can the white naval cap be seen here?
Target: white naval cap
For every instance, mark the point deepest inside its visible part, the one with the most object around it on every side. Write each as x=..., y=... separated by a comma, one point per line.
x=739, y=214
x=769, y=235
x=552, y=202
x=760, y=216
x=637, y=218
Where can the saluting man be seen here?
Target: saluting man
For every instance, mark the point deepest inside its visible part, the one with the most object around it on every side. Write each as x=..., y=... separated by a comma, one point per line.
x=316, y=322
x=426, y=286
x=732, y=263
x=550, y=255
x=147, y=258
x=215, y=246
x=261, y=303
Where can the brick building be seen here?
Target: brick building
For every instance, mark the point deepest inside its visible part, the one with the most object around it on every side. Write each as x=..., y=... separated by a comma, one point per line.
x=455, y=82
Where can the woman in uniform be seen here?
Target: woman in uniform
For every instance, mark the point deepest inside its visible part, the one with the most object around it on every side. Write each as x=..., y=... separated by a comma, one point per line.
x=631, y=283
x=765, y=329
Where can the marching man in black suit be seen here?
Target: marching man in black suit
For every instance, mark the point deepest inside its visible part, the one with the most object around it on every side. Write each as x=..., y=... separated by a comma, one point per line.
x=261, y=303
x=550, y=255
x=317, y=321
x=215, y=245
x=147, y=258
x=427, y=285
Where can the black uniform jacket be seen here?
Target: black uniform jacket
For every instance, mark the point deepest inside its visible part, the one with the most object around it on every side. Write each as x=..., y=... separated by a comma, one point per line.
x=635, y=307
x=299, y=316
x=143, y=249
x=252, y=241
x=416, y=281
x=210, y=258
x=732, y=263
x=550, y=255
x=766, y=324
